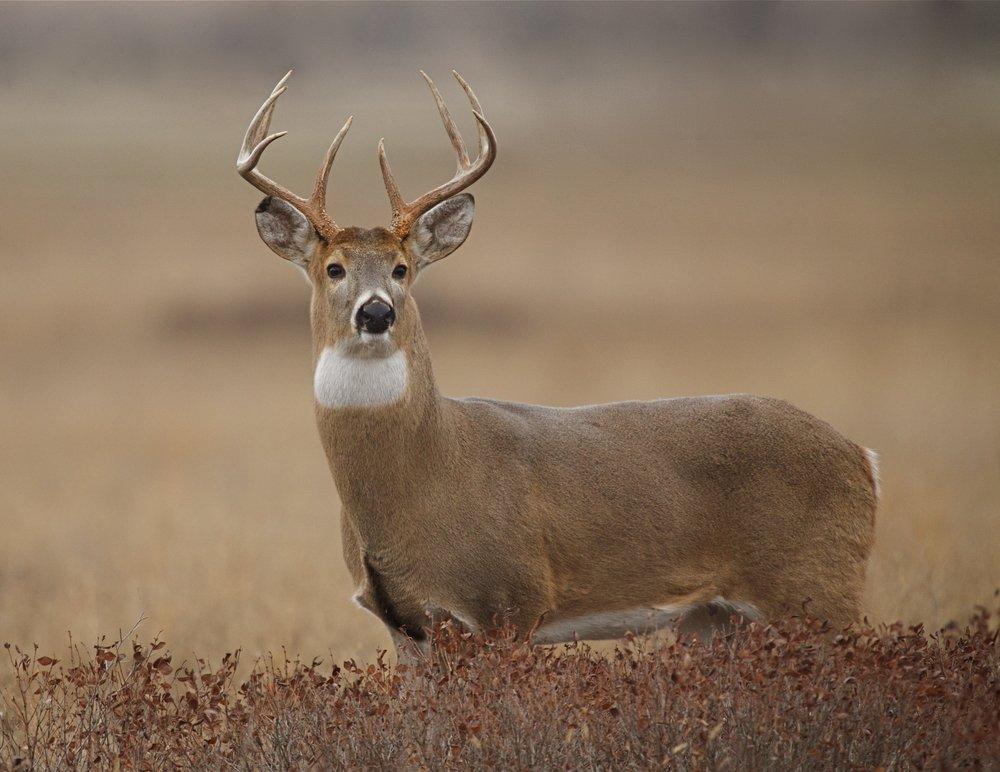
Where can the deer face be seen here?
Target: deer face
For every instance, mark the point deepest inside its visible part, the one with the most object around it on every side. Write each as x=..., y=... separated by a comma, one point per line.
x=362, y=277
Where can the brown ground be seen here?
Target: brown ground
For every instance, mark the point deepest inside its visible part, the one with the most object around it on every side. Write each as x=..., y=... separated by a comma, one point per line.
x=674, y=226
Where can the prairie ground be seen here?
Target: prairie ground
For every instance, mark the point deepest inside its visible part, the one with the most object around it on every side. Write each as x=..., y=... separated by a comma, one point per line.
x=675, y=222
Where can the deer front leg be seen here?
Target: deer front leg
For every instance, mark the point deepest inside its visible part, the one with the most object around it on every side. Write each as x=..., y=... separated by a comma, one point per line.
x=405, y=621
x=406, y=617
x=520, y=602
x=410, y=634
x=408, y=650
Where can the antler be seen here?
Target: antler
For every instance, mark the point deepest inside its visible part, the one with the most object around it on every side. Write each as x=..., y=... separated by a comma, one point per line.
x=257, y=140
x=405, y=214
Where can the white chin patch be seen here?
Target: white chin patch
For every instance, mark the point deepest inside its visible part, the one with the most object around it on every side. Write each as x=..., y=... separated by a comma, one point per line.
x=346, y=381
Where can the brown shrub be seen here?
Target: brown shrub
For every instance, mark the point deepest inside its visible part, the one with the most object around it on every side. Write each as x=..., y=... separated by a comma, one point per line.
x=790, y=695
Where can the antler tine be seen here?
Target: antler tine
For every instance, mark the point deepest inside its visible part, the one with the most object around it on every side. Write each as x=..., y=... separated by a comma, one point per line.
x=449, y=125
x=396, y=201
x=318, y=197
x=476, y=108
x=255, y=142
x=262, y=120
x=405, y=214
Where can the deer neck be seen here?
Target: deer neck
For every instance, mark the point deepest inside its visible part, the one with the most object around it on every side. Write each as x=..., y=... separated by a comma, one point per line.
x=383, y=427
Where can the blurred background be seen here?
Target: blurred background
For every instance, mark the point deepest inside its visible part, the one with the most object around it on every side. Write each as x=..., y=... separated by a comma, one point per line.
x=800, y=200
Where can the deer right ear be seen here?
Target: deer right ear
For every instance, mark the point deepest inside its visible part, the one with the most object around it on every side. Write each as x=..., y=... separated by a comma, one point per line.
x=442, y=230
x=286, y=231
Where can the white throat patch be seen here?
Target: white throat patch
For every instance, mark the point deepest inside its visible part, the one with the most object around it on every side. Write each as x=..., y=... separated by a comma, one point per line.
x=344, y=381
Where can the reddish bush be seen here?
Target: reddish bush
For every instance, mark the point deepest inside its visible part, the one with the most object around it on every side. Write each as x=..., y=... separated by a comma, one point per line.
x=784, y=696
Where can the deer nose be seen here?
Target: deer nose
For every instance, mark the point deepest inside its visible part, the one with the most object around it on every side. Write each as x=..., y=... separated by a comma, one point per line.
x=375, y=316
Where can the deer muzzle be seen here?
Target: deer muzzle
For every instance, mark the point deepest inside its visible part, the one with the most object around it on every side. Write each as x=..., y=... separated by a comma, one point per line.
x=375, y=316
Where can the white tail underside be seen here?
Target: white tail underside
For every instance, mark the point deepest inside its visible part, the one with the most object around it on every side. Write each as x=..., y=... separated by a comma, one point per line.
x=873, y=460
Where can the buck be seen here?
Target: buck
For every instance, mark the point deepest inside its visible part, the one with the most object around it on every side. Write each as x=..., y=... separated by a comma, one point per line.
x=586, y=522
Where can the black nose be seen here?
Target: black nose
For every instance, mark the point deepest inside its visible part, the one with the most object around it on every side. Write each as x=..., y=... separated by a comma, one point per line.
x=375, y=316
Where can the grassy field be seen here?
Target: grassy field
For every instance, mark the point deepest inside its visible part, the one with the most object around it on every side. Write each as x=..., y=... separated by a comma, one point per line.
x=672, y=224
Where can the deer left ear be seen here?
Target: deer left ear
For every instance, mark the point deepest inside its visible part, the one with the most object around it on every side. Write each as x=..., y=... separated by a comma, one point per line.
x=441, y=230
x=286, y=231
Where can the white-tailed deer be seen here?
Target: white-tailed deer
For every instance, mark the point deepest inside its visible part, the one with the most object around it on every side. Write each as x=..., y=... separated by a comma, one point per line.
x=591, y=521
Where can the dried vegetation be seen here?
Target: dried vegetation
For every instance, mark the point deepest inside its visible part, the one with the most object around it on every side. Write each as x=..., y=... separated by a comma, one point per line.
x=790, y=696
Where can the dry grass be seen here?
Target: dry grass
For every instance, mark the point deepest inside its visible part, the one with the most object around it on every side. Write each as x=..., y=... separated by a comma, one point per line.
x=788, y=697
x=805, y=231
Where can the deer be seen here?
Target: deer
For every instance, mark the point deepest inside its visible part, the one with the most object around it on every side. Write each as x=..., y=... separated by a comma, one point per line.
x=591, y=522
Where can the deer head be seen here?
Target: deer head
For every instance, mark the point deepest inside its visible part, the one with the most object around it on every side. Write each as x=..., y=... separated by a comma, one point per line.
x=361, y=277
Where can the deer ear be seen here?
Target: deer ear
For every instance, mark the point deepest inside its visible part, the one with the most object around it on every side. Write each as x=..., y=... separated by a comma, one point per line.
x=286, y=230
x=441, y=230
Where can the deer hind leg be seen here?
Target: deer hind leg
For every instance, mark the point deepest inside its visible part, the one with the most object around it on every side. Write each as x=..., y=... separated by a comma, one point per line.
x=825, y=581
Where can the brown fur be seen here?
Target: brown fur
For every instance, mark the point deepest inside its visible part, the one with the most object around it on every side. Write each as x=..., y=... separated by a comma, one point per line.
x=497, y=510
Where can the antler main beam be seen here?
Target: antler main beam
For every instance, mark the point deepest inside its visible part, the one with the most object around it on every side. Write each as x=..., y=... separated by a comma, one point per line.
x=405, y=214
x=255, y=143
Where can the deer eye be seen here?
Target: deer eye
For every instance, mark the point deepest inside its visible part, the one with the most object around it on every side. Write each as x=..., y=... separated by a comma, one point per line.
x=399, y=272
x=335, y=271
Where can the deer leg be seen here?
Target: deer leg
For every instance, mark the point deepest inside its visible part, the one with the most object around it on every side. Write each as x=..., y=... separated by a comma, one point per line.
x=408, y=650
